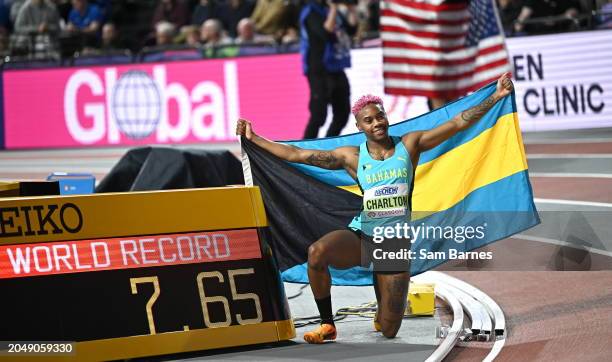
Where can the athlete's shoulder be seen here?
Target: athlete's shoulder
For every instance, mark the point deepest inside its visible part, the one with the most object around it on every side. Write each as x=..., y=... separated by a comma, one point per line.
x=347, y=151
x=411, y=140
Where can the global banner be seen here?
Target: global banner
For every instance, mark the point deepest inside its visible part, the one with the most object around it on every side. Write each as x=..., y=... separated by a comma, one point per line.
x=153, y=103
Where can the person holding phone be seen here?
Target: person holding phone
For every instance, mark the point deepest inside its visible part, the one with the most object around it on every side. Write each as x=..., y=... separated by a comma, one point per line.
x=325, y=46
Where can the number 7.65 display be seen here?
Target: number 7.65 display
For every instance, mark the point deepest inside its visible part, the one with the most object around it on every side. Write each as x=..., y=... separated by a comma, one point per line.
x=138, y=274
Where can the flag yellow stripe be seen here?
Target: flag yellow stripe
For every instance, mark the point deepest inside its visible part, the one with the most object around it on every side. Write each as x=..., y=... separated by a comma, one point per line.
x=352, y=188
x=493, y=155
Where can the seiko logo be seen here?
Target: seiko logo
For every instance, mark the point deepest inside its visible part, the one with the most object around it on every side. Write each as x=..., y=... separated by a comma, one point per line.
x=386, y=191
x=40, y=220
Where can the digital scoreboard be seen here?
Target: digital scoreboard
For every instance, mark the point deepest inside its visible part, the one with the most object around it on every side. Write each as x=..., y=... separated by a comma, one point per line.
x=138, y=274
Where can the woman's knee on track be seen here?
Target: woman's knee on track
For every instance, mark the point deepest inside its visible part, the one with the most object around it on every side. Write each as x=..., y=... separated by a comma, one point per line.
x=389, y=328
x=316, y=256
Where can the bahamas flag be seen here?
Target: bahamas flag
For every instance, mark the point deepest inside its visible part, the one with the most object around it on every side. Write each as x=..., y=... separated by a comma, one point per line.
x=469, y=191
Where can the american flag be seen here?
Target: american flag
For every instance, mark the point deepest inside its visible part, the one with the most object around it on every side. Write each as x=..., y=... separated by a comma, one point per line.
x=440, y=49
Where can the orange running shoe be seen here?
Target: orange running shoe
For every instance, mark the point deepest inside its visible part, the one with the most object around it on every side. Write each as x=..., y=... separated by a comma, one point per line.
x=377, y=326
x=325, y=332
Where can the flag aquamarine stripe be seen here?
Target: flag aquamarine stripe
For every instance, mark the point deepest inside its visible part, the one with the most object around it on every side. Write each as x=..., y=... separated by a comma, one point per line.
x=356, y=276
x=505, y=206
x=424, y=122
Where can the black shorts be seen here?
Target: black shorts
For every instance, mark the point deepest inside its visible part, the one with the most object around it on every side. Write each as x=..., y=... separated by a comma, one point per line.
x=388, y=257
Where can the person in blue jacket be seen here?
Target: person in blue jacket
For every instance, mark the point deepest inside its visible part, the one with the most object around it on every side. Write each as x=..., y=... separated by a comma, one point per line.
x=325, y=44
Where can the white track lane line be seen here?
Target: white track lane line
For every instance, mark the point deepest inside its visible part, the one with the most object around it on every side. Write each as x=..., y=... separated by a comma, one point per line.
x=561, y=243
x=494, y=310
x=451, y=339
x=497, y=347
x=568, y=155
x=572, y=202
x=548, y=141
x=570, y=174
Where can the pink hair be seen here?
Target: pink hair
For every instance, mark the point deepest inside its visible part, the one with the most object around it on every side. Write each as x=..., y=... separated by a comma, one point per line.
x=364, y=101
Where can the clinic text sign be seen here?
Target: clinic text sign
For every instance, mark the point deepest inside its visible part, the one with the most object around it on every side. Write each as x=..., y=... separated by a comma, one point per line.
x=563, y=81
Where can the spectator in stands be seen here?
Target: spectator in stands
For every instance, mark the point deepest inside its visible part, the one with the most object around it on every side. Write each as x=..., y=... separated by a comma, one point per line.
x=291, y=36
x=270, y=16
x=5, y=26
x=369, y=14
x=5, y=21
x=110, y=37
x=37, y=26
x=164, y=33
x=208, y=9
x=63, y=8
x=604, y=18
x=83, y=28
x=374, y=15
x=85, y=18
x=247, y=35
x=237, y=10
x=15, y=6
x=509, y=11
x=190, y=35
x=546, y=8
x=211, y=33
x=105, y=7
x=172, y=11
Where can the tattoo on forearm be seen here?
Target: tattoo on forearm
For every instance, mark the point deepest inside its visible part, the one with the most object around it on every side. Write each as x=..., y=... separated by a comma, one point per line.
x=475, y=113
x=324, y=159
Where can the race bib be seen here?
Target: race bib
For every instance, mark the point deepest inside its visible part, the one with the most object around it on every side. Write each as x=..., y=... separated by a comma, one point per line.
x=386, y=201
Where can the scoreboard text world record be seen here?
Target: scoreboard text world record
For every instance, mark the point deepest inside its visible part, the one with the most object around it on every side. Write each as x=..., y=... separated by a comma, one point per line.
x=138, y=274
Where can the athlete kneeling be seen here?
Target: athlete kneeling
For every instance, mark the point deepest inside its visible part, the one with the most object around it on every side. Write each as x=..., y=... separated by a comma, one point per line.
x=383, y=166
